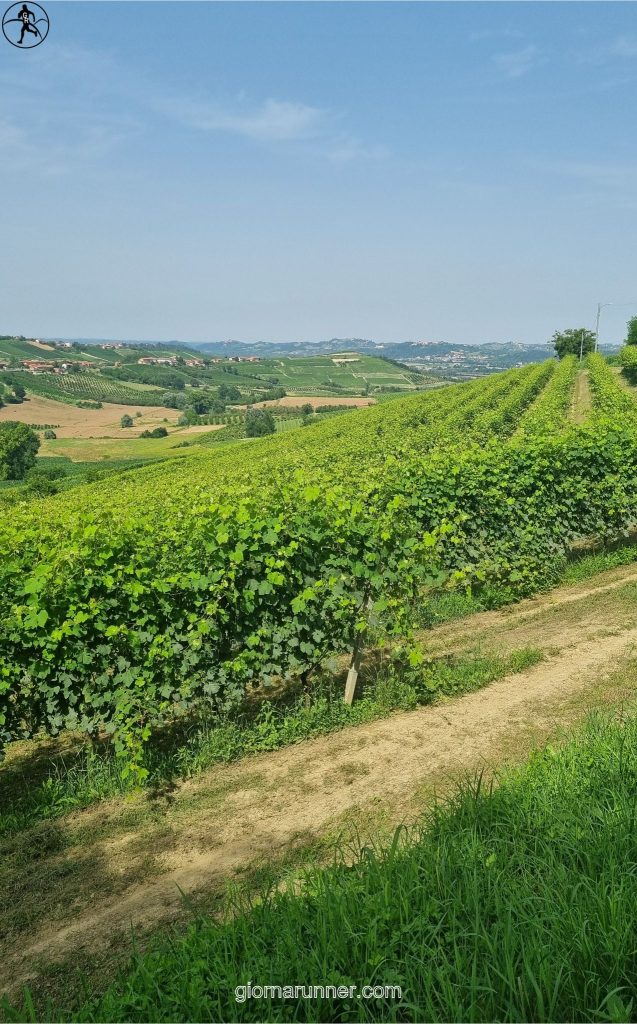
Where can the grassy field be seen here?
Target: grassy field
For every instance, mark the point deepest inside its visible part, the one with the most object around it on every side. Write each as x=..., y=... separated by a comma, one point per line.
x=82, y=449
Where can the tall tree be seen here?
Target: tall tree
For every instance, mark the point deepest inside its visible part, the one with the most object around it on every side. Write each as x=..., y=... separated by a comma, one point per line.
x=573, y=341
x=631, y=337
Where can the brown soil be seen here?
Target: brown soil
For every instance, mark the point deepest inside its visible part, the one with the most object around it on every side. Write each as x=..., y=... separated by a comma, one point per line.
x=291, y=401
x=127, y=862
x=104, y=422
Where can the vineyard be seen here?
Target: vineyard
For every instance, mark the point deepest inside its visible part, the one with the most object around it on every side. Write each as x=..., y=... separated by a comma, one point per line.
x=70, y=387
x=121, y=609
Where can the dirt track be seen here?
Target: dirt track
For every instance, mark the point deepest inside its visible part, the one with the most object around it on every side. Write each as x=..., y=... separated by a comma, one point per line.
x=263, y=807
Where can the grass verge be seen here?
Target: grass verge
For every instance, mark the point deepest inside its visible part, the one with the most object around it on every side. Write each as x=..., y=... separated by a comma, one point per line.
x=508, y=903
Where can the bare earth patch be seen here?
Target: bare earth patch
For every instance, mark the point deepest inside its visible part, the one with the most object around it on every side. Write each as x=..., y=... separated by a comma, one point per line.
x=292, y=401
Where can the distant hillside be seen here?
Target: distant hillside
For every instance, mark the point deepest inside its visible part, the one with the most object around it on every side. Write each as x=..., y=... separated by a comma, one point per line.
x=401, y=351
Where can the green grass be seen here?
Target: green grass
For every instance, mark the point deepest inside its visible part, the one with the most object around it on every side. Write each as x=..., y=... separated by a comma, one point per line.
x=42, y=783
x=514, y=903
x=109, y=449
x=587, y=566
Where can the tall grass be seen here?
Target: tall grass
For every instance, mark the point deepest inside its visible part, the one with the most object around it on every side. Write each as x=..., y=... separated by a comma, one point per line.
x=511, y=904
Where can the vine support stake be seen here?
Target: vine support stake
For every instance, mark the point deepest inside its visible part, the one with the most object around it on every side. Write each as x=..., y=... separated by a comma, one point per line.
x=357, y=653
x=352, y=675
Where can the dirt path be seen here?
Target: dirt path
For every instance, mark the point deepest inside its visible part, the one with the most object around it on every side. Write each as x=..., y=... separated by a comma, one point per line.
x=559, y=617
x=235, y=817
x=582, y=403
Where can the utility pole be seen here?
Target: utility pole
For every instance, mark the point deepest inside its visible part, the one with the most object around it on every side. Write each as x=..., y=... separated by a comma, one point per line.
x=599, y=310
x=581, y=343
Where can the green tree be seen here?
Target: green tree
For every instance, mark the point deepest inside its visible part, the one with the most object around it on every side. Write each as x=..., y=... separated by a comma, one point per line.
x=126, y=420
x=572, y=341
x=631, y=336
x=307, y=408
x=259, y=422
x=18, y=448
x=229, y=393
x=188, y=418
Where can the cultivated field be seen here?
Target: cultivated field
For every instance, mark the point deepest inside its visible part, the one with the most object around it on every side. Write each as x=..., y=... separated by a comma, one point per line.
x=294, y=401
x=70, y=421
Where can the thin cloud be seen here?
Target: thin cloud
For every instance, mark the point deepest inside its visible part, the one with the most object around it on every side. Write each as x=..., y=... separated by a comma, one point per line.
x=270, y=121
x=622, y=47
x=347, y=149
x=94, y=86
x=517, y=63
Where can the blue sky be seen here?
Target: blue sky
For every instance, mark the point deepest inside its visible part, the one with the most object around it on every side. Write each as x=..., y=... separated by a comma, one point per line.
x=459, y=172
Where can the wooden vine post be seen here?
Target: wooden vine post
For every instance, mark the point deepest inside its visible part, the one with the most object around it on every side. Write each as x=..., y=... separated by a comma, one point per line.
x=357, y=654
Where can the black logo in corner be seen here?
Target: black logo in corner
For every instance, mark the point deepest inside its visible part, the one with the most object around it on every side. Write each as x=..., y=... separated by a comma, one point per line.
x=25, y=25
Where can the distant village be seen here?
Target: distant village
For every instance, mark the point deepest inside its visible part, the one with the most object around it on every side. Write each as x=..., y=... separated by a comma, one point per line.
x=79, y=365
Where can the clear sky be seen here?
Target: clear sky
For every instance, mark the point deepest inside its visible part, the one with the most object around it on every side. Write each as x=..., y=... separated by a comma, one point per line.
x=283, y=171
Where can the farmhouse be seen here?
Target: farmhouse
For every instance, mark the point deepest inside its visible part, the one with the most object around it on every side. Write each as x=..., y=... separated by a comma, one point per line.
x=36, y=366
x=156, y=361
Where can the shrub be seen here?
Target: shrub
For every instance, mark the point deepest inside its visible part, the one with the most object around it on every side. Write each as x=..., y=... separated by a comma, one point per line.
x=157, y=432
